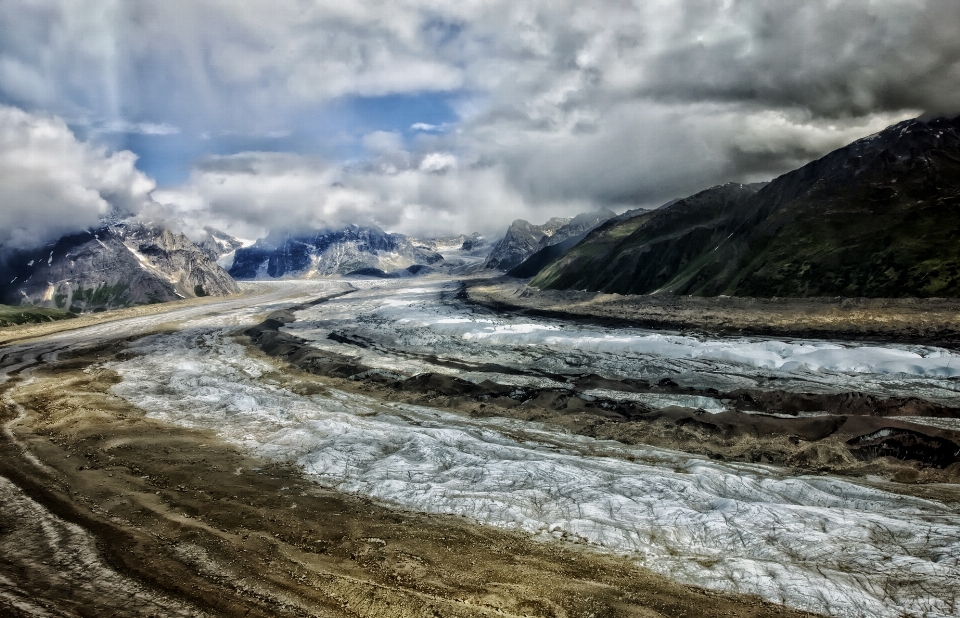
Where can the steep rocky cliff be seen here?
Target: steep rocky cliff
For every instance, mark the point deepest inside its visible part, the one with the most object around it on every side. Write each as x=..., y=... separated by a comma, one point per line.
x=552, y=247
x=520, y=242
x=217, y=244
x=113, y=266
x=524, y=239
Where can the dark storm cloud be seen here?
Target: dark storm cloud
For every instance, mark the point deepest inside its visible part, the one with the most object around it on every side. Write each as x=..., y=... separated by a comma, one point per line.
x=833, y=58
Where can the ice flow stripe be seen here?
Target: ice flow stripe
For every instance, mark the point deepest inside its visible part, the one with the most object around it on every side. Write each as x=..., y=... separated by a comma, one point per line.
x=401, y=320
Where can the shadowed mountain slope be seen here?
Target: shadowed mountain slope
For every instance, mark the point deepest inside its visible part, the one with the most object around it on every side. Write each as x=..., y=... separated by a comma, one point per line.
x=877, y=218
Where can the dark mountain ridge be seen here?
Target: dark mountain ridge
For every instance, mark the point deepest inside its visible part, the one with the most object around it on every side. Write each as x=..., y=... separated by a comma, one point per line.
x=877, y=218
x=536, y=262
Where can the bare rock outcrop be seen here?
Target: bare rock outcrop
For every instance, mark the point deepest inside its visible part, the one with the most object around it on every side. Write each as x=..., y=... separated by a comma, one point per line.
x=110, y=267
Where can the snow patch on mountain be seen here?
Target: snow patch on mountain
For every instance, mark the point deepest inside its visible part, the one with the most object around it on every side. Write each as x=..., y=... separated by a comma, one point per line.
x=328, y=252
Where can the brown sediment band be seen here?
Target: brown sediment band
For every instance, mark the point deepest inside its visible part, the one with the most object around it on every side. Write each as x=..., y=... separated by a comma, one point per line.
x=926, y=321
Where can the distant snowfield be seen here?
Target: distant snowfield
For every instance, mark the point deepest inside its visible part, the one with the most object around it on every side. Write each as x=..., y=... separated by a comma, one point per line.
x=816, y=543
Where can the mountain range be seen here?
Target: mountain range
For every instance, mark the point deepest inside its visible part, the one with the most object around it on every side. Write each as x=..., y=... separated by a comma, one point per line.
x=461, y=254
x=217, y=244
x=877, y=218
x=328, y=252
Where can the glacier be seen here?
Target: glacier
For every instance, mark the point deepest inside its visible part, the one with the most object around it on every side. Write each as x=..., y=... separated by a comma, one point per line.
x=818, y=543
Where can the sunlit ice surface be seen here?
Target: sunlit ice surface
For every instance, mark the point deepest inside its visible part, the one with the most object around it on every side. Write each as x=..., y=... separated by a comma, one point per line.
x=409, y=328
x=816, y=543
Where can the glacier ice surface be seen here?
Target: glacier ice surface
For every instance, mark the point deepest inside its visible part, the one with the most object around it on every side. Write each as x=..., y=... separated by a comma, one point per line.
x=813, y=542
x=407, y=325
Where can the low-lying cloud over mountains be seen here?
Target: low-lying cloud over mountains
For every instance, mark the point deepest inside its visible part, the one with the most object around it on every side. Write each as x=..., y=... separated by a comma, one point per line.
x=51, y=183
x=429, y=118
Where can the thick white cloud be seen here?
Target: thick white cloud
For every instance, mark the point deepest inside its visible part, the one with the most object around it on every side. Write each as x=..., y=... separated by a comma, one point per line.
x=51, y=183
x=250, y=193
x=643, y=152
x=438, y=162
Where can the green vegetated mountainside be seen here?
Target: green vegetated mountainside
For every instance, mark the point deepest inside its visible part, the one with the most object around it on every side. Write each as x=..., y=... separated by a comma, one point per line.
x=11, y=316
x=877, y=218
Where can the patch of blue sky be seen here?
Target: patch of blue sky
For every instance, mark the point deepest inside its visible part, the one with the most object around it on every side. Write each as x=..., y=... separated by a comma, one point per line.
x=400, y=112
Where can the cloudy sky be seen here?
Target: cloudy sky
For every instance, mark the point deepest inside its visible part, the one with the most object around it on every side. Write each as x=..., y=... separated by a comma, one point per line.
x=435, y=117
